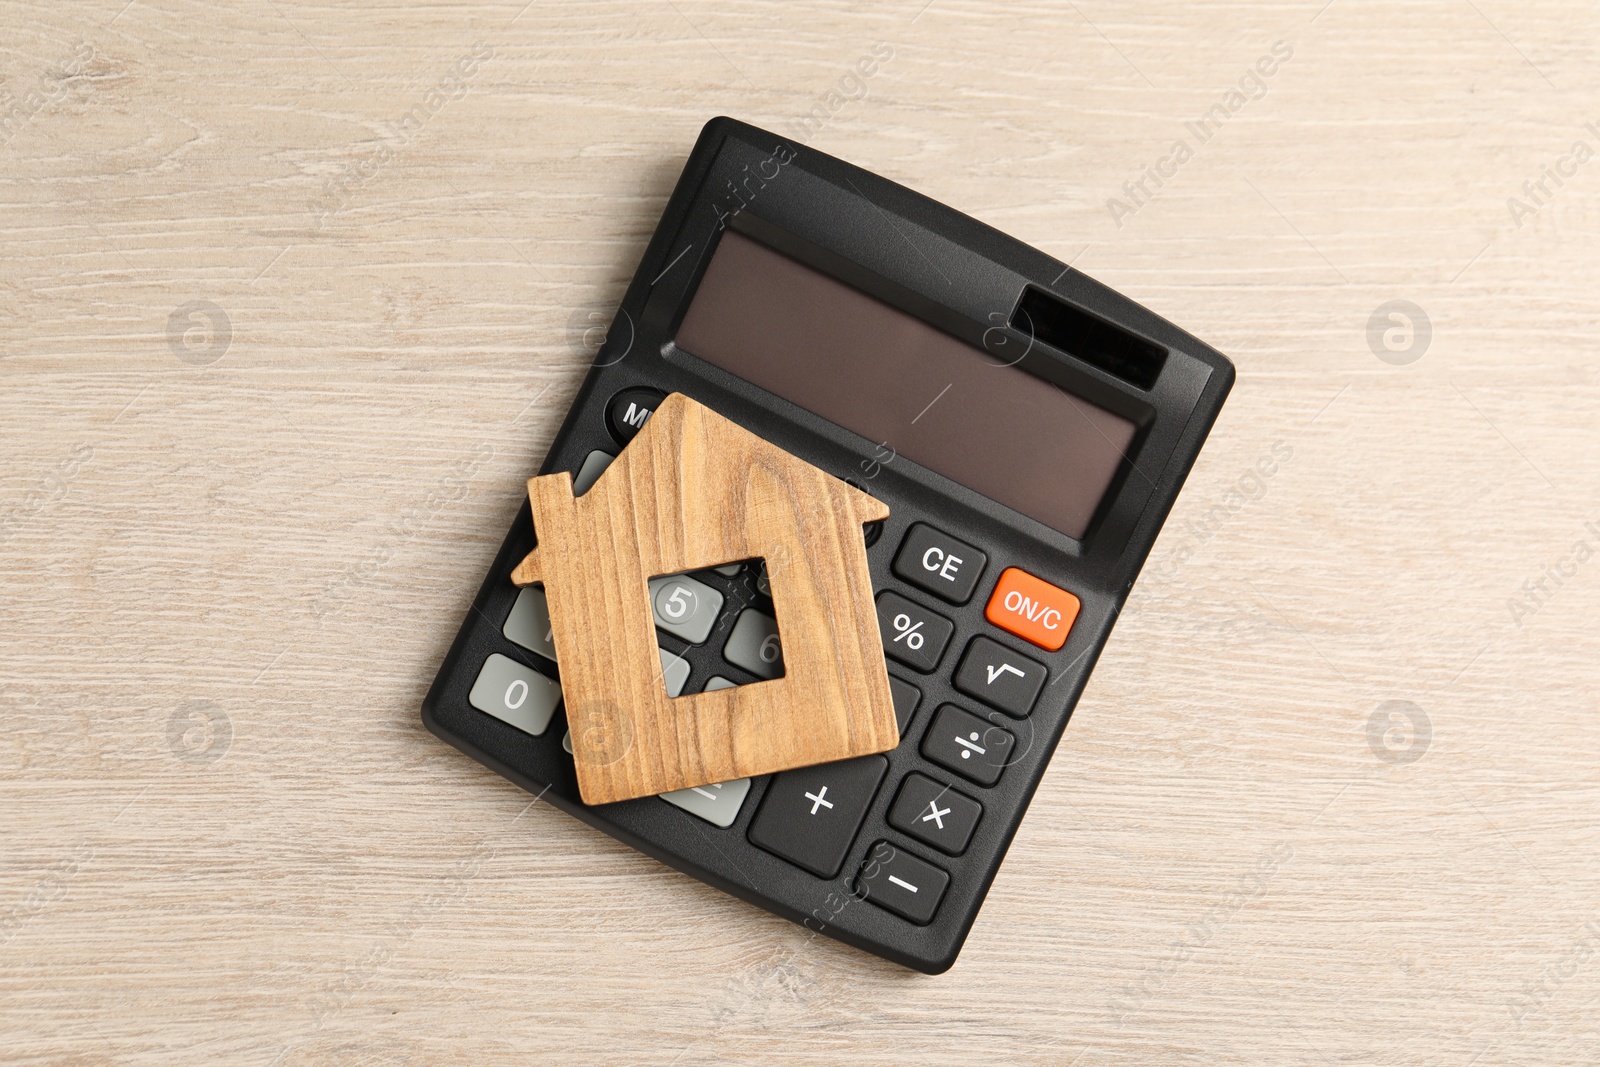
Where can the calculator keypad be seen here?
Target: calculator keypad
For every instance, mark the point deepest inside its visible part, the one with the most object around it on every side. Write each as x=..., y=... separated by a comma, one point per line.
x=812, y=816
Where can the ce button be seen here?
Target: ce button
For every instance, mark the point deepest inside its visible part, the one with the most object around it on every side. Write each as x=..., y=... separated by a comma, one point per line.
x=940, y=564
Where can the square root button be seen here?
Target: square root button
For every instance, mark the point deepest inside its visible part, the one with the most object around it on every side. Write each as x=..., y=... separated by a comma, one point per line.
x=1000, y=677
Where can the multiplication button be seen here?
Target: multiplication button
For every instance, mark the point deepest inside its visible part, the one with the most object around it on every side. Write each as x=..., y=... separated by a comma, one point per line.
x=937, y=562
x=911, y=633
x=935, y=814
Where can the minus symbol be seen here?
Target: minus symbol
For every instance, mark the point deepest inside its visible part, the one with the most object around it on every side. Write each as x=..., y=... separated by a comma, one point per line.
x=902, y=883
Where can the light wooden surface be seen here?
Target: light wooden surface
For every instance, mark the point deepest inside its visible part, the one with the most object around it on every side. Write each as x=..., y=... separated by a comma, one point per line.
x=226, y=837
x=697, y=490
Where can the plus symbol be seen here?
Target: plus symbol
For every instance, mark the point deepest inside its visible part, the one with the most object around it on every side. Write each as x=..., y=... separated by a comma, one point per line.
x=818, y=801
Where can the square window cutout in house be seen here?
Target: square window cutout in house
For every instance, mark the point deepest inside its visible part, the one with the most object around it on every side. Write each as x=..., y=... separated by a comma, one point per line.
x=725, y=617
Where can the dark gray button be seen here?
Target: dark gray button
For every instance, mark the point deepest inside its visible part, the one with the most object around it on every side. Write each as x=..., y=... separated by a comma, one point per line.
x=811, y=815
x=935, y=814
x=629, y=410
x=906, y=697
x=937, y=562
x=515, y=694
x=911, y=633
x=894, y=879
x=996, y=675
x=754, y=644
x=964, y=743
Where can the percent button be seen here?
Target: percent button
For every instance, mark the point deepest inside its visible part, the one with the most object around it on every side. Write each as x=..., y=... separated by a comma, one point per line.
x=911, y=633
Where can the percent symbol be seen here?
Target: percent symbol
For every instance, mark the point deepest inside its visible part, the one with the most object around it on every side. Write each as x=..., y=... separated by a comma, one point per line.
x=906, y=630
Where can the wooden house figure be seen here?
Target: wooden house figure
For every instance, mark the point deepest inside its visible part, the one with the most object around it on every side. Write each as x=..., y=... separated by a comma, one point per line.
x=694, y=490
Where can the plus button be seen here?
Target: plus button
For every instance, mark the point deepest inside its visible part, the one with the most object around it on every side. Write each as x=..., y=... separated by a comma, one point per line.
x=817, y=800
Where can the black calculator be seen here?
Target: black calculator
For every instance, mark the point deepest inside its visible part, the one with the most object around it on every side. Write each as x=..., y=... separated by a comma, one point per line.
x=1029, y=430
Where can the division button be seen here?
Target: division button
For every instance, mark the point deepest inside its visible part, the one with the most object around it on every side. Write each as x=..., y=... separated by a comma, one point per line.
x=937, y=562
x=1000, y=677
x=811, y=815
x=906, y=697
x=911, y=633
x=1031, y=608
x=515, y=694
x=964, y=743
x=911, y=888
x=717, y=804
x=528, y=624
x=684, y=607
x=754, y=644
x=935, y=814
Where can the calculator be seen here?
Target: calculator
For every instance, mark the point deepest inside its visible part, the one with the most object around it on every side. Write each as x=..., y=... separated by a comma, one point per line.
x=1029, y=430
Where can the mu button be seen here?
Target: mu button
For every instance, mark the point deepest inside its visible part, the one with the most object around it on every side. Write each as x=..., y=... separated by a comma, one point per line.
x=1032, y=608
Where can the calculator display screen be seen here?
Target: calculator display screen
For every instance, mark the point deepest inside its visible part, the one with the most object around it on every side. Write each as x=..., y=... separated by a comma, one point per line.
x=894, y=379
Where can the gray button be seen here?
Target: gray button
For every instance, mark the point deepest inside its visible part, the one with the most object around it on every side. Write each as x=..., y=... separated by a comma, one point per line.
x=674, y=672
x=717, y=804
x=754, y=645
x=594, y=465
x=528, y=624
x=719, y=682
x=730, y=571
x=566, y=742
x=515, y=694
x=684, y=607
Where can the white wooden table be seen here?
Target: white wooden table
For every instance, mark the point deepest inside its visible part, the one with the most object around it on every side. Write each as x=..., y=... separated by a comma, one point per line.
x=293, y=296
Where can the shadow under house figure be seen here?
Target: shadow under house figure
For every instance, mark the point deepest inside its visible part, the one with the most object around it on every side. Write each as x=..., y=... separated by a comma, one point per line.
x=694, y=490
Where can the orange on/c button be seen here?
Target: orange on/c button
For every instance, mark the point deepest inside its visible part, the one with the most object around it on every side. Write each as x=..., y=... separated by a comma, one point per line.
x=1032, y=608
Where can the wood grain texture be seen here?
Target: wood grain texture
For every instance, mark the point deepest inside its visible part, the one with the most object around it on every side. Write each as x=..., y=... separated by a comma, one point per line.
x=231, y=560
x=694, y=490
